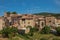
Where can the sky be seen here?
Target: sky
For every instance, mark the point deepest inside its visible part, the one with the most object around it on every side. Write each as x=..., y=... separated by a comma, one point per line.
x=29, y=6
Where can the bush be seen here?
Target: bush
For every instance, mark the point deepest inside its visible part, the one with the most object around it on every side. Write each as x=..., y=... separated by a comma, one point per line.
x=32, y=30
x=14, y=13
x=58, y=30
x=56, y=38
x=9, y=31
x=45, y=30
x=44, y=39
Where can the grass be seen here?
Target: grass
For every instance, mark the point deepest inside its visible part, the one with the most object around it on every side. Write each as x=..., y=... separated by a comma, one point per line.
x=36, y=36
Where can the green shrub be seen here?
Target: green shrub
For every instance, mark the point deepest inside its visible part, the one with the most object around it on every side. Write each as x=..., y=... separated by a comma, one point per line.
x=32, y=30
x=44, y=39
x=9, y=31
x=45, y=30
x=56, y=38
x=14, y=13
x=58, y=30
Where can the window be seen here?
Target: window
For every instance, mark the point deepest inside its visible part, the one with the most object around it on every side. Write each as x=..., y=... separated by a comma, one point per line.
x=10, y=23
x=25, y=14
x=23, y=20
x=42, y=24
x=19, y=16
x=32, y=16
x=28, y=22
x=38, y=26
x=49, y=21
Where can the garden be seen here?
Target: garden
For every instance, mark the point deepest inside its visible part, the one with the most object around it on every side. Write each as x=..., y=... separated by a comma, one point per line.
x=11, y=33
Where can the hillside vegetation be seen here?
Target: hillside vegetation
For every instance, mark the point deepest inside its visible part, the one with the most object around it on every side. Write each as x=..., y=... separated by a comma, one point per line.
x=46, y=13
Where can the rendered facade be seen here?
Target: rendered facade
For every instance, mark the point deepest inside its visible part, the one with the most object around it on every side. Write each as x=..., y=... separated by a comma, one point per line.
x=22, y=21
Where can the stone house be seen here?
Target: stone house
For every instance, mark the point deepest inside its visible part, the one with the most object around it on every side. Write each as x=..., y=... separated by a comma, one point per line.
x=22, y=21
x=57, y=22
x=50, y=21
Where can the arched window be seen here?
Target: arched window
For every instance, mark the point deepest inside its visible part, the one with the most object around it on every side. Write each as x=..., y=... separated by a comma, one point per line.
x=42, y=23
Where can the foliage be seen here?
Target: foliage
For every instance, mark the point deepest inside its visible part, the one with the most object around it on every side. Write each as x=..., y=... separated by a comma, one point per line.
x=9, y=31
x=32, y=30
x=45, y=30
x=13, y=29
x=58, y=30
x=11, y=13
x=14, y=13
x=47, y=13
x=44, y=39
x=8, y=12
x=56, y=38
x=15, y=38
x=29, y=27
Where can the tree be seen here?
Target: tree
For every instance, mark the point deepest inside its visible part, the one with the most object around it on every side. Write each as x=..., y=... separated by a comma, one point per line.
x=5, y=32
x=8, y=12
x=9, y=31
x=14, y=13
x=58, y=30
x=45, y=30
x=32, y=30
